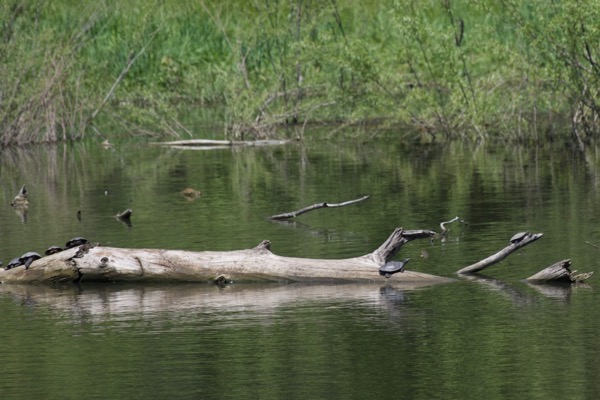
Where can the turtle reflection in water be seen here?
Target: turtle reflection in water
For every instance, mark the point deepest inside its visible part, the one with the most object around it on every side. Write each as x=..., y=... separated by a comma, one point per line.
x=518, y=237
x=392, y=267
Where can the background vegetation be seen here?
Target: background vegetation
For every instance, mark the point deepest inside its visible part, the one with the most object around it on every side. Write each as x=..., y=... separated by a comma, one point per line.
x=518, y=70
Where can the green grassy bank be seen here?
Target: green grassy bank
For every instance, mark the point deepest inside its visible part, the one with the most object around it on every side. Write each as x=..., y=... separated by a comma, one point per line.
x=432, y=70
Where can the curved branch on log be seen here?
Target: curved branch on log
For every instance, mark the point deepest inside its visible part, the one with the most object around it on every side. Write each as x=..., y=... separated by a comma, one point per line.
x=294, y=214
x=97, y=263
x=502, y=254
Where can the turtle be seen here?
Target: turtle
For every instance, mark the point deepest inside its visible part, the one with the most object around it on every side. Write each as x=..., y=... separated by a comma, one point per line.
x=29, y=257
x=76, y=241
x=53, y=250
x=14, y=263
x=392, y=267
x=518, y=237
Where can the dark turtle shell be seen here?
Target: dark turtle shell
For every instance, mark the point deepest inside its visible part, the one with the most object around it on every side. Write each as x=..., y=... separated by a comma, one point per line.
x=53, y=250
x=518, y=237
x=392, y=267
x=29, y=257
x=14, y=263
x=76, y=241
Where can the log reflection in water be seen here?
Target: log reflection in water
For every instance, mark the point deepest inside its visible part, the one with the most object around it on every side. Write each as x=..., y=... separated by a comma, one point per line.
x=101, y=302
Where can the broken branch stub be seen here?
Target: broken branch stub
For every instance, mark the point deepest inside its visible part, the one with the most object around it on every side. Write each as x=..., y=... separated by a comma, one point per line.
x=399, y=237
x=559, y=272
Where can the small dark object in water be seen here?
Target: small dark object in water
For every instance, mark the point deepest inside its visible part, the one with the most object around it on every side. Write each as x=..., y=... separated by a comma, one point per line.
x=29, y=257
x=125, y=214
x=76, y=241
x=14, y=263
x=190, y=194
x=53, y=250
x=392, y=267
x=518, y=237
x=79, y=215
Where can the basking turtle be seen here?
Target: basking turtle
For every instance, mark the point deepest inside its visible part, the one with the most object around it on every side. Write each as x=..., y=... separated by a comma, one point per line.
x=518, y=237
x=76, y=241
x=14, y=263
x=29, y=257
x=392, y=267
x=53, y=250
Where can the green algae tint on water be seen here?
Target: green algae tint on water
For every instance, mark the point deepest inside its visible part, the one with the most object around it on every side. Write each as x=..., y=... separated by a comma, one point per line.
x=493, y=337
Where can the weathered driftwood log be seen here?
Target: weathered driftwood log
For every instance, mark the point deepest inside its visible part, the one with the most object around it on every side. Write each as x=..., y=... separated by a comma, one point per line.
x=294, y=214
x=559, y=272
x=98, y=263
x=515, y=245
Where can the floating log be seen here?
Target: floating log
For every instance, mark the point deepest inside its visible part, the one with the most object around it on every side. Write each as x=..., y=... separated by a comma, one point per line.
x=99, y=263
x=294, y=214
x=207, y=143
x=514, y=245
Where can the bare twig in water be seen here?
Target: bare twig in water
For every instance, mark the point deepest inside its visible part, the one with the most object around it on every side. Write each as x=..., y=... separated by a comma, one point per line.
x=294, y=214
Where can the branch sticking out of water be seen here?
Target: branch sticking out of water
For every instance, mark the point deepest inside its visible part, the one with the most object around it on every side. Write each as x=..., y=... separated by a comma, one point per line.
x=515, y=245
x=294, y=214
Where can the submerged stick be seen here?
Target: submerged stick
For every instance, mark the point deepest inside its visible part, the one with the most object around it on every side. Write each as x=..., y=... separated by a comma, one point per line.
x=294, y=214
x=502, y=254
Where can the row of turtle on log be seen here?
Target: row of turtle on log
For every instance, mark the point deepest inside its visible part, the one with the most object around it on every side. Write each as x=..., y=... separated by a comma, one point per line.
x=26, y=259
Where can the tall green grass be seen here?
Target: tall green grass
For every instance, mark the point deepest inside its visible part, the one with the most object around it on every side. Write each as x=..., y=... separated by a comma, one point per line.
x=432, y=70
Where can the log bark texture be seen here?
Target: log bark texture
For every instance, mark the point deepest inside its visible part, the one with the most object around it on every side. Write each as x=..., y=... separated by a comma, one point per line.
x=98, y=263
